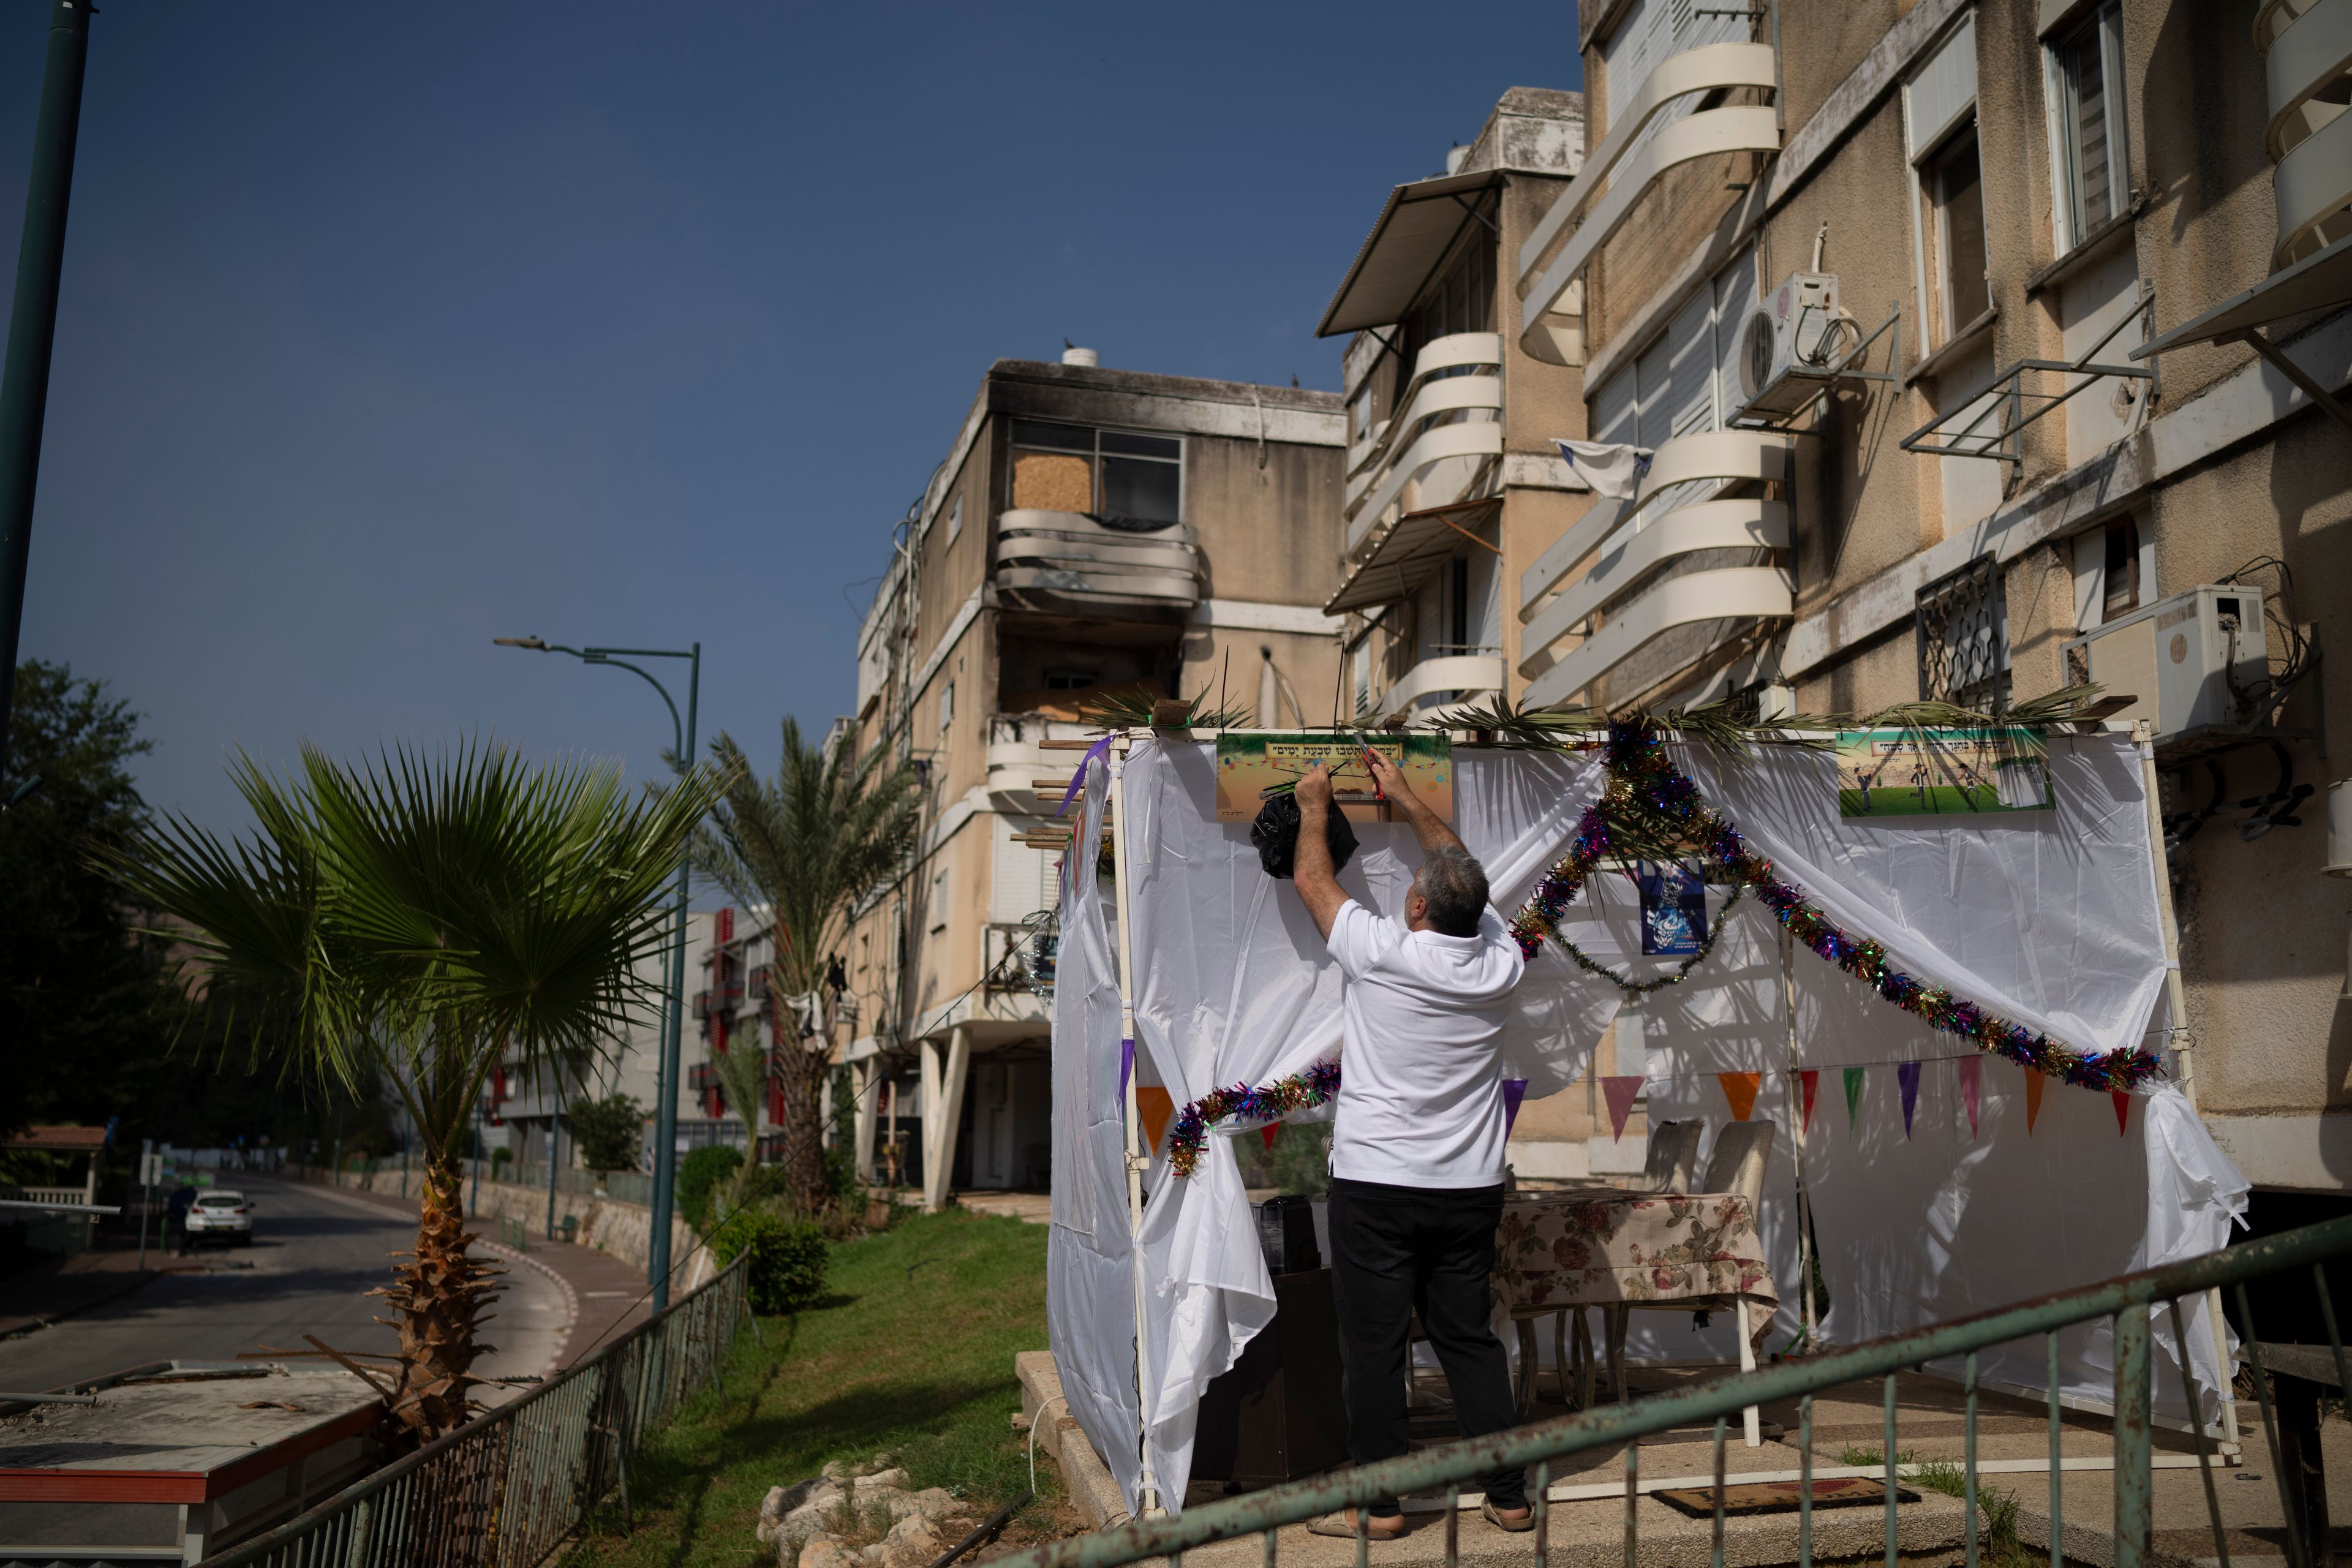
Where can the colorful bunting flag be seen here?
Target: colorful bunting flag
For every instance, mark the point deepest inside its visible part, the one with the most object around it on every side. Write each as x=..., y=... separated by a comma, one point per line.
x=1971, y=1085
x=1620, y=1093
x=1739, y=1089
x=2034, y=1084
x=1157, y=1105
x=1515, y=1089
x=1907, y=1075
x=1812, y=1077
x=1268, y=1132
x=1852, y=1097
x=2123, y=1109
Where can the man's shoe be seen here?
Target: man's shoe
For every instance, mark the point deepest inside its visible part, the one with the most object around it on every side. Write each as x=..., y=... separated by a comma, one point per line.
x=1341, y=1525
x=1492, y=1515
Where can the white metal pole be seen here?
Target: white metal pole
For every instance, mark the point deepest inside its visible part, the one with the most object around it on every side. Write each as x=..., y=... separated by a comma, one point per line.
x=1148, y=1493
x=1797, y=1134
x=2176, y=999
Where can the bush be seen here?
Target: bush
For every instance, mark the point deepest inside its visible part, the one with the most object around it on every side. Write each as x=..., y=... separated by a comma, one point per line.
x=697, y=1174
x=500, y=1156
x=788, y=1259
x=611, y=1132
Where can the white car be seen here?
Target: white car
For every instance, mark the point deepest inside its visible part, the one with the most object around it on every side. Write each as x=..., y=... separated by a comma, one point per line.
x=222, y=1217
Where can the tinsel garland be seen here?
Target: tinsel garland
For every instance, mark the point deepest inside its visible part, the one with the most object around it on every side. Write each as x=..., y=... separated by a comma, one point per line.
x=1679, y=973
x=1267, y=1103
x=1642, y=778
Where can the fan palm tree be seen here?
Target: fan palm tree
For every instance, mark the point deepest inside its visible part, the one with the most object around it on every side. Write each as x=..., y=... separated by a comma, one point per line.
x=808, y=846
x=422, y=920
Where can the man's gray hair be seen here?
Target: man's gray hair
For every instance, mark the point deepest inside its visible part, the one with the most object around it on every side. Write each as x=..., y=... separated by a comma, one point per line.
x=1455, y=887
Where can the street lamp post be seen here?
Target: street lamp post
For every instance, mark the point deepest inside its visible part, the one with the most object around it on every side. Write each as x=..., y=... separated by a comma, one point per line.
x=674, y=1003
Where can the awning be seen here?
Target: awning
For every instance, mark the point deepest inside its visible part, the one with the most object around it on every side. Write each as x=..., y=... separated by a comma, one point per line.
x=2312, y=284
x=1415, y=230
x=1402, y=560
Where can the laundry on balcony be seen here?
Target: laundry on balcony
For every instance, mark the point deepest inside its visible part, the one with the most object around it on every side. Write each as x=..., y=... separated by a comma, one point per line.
x=1614, y=469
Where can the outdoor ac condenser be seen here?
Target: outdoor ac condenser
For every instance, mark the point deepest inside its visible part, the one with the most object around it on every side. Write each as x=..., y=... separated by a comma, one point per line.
x=1787, y=345
x=2191, y=660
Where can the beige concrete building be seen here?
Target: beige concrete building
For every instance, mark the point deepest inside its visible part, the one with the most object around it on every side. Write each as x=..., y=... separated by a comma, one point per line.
x=1970, y=342
x=1088, y=531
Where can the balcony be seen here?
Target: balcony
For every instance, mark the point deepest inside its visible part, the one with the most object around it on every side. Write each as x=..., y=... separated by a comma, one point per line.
x=1471, y=674
x=1017, y=759
x=2307, y=59
x=1066, y=563
x=1445, y=446
x=1637, y=153
x=1681, y=551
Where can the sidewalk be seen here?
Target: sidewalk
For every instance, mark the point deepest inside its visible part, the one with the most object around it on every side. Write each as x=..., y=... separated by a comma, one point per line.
x=605, y=1296
x=43, y=1295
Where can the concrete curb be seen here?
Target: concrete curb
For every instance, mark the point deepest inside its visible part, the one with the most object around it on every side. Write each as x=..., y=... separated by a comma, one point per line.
x=570, y=1302
x=1083, y=1471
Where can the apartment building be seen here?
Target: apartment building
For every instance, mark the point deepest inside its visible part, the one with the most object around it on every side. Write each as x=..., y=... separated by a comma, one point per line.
x=1454, y=479
x=1965, y=342
x=1089, y=531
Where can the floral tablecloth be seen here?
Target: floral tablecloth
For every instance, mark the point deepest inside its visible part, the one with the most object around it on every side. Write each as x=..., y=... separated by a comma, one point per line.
x=1596, y=1246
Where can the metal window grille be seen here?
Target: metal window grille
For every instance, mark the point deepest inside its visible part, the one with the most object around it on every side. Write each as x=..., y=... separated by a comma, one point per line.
x=1963, y=630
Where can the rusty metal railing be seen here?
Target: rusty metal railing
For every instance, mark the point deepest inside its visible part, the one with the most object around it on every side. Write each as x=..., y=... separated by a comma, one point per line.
x=2131, y=1303
x=505, y=1489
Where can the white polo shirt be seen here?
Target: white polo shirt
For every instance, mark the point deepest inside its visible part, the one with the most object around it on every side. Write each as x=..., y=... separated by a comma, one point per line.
x=1421, y=1070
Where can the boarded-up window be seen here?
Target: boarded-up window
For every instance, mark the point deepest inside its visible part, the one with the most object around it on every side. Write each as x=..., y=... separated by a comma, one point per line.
x=1126, y=480
x=1052, y=481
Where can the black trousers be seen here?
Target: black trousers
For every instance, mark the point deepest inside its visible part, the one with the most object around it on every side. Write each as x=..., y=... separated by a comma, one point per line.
x=1397, y=1250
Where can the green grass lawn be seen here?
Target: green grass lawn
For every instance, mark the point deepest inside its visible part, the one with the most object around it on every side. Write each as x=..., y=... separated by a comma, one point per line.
x=911, y=1353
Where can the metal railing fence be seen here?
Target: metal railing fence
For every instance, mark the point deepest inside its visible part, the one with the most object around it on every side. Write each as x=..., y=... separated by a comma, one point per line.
x=503, y=1491
x=2131, y=1301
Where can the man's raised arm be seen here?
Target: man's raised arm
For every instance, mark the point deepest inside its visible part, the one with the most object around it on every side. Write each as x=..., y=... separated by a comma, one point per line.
x=1427, y=825
x=1310, y=867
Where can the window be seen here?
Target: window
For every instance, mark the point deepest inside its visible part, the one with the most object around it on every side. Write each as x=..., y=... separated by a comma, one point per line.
x=2121, y=574
x=1939, y=127
x=1951, y=189
x=1070, y=679
x=1650, y=32
x=1689, y=381
x=1963, y=634
x=1121, y=480
x=940, y=899
x=955, y=519
x=2086, y=125
x=947, y=704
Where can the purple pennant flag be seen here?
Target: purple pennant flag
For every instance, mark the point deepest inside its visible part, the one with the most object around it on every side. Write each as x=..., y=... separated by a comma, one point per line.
x=1078, y=780
x=1907, y=1075
x=1515, y=1089
x=1126, y=1065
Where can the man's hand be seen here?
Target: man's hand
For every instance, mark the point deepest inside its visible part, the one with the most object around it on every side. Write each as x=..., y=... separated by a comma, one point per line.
x=1427, y=825
x=1314, y=788
x=1390, y=777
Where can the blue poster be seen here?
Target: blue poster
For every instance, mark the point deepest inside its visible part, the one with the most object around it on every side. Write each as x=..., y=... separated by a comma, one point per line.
x=1674, y=909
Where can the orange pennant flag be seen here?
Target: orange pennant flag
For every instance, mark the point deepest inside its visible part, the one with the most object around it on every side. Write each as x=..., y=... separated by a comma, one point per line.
x=1739, y=1088
x=2034, y=1084
x=2123, y=1098
x=1157, y=1105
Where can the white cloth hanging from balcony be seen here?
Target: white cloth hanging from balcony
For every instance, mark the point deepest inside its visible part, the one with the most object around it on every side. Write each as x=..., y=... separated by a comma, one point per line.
x=1614, y=469
x=2049, y=918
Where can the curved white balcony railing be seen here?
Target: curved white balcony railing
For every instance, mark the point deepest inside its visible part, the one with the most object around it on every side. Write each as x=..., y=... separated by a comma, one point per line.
x=1420, y=463
x=1469, y=673
x=1746, y=523
x=1631, y=164
x=1677, y=514
x=2308, y=49
x=1727, y=457
x=1049, y=556
x=1735, y=593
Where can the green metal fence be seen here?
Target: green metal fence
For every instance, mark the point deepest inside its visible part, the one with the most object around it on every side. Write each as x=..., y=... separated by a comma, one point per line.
x=504, y=1490
x=2131, y=1303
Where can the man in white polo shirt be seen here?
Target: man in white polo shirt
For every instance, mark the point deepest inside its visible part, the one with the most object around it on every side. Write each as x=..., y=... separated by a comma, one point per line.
x=1417, y=1139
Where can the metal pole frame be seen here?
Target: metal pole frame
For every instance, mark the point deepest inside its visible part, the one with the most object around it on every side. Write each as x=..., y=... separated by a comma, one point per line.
x=1137, y=1158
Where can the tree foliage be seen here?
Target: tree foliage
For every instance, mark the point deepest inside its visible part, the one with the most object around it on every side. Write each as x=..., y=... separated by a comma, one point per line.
x=808, y=846
x=423, y=920
x=611, y=1132
x=86, y=1005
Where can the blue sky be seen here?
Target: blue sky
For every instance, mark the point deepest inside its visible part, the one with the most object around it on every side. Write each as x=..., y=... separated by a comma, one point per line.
x=386, y=331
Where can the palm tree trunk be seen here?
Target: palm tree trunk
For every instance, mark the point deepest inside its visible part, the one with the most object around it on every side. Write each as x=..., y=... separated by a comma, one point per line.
x=438, y=1298
x=801, y=1083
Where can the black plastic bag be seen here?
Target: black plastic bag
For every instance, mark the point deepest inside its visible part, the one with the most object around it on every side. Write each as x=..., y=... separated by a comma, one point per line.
x=1276, y=833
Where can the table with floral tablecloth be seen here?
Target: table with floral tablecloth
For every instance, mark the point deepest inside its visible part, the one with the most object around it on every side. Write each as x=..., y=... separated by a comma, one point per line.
x=1596, y=1246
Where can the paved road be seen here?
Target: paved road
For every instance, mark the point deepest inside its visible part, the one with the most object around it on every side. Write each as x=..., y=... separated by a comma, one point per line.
x=315, y=1253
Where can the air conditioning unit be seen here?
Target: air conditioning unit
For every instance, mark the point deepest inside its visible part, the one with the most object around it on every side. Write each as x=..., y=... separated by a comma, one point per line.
x=1787, y=345
x=2197, y=659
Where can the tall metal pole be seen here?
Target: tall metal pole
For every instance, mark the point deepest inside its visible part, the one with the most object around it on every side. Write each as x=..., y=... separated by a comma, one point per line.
x=665, y=1115
x=33, y=322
